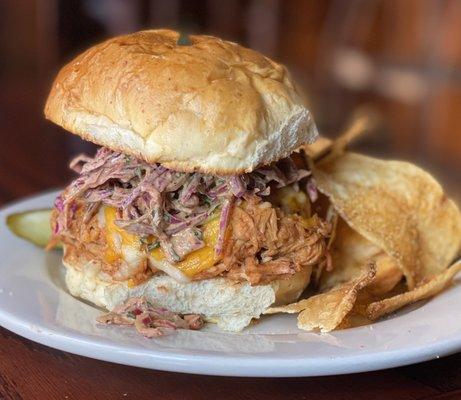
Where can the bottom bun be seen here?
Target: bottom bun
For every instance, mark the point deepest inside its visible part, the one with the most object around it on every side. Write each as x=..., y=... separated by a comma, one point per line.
x=230, y=305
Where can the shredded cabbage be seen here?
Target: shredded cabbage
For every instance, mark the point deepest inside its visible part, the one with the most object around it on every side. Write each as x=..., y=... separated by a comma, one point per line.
x=154, y=200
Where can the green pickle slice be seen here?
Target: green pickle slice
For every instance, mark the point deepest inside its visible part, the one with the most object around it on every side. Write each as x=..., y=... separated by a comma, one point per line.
x=33, y=226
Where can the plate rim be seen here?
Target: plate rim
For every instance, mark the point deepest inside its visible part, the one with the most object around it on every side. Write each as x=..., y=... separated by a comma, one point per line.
x=174, y=361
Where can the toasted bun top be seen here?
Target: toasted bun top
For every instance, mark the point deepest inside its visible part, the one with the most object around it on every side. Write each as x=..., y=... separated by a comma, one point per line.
x=212, y=106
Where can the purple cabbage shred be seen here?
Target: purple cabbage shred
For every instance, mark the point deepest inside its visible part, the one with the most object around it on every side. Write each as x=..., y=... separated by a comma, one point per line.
x=154, y=200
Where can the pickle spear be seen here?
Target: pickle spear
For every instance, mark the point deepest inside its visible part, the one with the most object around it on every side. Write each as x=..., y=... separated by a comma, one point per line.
x=33, y=225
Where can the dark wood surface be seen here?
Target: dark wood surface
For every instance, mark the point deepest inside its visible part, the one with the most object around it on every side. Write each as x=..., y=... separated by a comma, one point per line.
x=33, y=157
x=32, y=371
x=34, y=154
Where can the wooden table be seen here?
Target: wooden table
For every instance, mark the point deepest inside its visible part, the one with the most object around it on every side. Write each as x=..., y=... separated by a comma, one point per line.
x=33, y=156
x=32, y=371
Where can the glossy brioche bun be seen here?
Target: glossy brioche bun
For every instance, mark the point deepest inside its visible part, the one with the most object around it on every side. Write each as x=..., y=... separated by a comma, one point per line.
x=212, y=106
x=231, y=305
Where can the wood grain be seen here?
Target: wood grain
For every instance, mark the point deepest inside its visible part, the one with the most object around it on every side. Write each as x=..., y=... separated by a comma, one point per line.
x=33, y=371
x=33, y=157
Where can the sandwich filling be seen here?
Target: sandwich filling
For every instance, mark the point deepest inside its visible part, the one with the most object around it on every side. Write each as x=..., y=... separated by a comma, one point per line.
x=137, y=219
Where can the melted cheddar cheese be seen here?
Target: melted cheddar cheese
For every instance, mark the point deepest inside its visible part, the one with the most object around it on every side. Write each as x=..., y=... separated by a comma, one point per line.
x=117, y=237
x=201, y=259
x=292, y=201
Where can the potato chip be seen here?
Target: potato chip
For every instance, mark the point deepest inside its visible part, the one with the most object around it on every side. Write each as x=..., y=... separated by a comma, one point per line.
x=396, y=206
x=361, y=122
x=292, y=308
x=388, y=275
x=327, y=310
x=426, y=290
x=350, y=253
x=319, y=148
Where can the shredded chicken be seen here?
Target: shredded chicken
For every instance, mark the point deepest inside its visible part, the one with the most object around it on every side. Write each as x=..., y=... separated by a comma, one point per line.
x=83, y=232
x=266, y=244
x=154, y=200
x=85, y=239
x=263, y=244
x=258, y=241
x=150, y=321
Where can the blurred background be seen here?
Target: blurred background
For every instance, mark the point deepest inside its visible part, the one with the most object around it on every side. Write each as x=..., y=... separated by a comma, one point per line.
x=400, y=57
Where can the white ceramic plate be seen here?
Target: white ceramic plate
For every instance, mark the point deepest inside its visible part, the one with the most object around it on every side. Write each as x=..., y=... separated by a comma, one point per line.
x=34, y=303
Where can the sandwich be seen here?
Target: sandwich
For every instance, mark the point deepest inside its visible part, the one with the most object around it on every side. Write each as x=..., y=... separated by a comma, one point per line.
x=209, y=198
x=197, y=199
